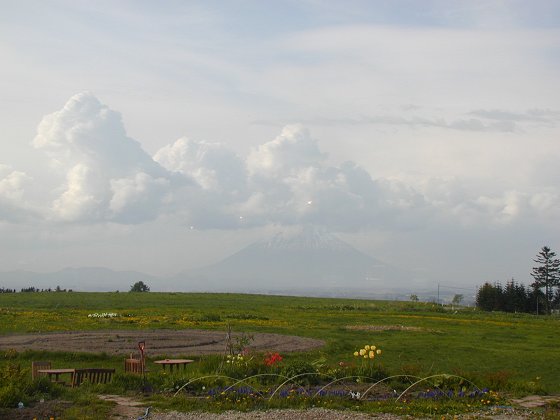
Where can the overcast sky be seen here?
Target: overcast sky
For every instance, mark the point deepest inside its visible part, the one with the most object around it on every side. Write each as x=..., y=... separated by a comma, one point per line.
x=158, y=136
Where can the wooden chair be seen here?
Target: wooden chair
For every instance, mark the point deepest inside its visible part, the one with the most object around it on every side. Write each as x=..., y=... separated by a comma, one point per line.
x=35, y=366
x=135, y=366
x=92, y=375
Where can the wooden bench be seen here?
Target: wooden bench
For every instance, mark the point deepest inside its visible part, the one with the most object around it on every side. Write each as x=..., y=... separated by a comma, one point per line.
x=92, y=375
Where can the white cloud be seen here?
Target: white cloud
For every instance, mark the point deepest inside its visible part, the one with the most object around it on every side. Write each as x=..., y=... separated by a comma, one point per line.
x=105, y=176
x=292, y=182
x=13, y=206
x=138, y=198
x=12, y=183
x=83, y=198
x=291, y=151
x=106, y=172
x=211, y=165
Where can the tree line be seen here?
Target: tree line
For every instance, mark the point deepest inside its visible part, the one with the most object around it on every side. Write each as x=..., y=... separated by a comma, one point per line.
x=542, y=297
x=33, y=290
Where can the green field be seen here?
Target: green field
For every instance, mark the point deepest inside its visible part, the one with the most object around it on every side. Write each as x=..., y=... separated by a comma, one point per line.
x=512, y=353
x=524, y=346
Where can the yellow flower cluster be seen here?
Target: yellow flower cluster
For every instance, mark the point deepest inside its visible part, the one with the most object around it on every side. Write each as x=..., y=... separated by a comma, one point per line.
x=237, y=360
x=368, y=352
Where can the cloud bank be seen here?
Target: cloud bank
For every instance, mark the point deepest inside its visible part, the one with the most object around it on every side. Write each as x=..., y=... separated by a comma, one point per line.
x=104, y=176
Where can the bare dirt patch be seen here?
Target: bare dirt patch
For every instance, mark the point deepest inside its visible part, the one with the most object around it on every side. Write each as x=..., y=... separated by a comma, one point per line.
x=158, y=342
x=125, y=407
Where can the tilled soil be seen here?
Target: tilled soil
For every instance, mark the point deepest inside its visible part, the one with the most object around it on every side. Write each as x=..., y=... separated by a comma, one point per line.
x=158, y=342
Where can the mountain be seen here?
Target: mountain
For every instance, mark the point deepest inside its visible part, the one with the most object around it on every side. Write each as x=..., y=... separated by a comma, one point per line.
x=90, y=279
x=309, y=260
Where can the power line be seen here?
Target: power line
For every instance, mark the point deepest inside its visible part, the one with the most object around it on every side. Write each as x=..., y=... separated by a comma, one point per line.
x=458, y=288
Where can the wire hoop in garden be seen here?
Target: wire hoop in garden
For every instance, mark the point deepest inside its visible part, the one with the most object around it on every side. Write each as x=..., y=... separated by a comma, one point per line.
x=444, y=375
x=251, y=377
x=199, y=379
x=294, y=377
x=362, y=377
x=237, y=381
x=385, y=379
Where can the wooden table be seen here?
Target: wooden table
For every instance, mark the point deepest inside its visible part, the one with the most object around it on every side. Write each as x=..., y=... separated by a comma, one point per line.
x=56, y=373
x=173, y=363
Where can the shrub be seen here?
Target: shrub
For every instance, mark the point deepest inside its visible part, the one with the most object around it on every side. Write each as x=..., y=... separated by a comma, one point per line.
x=300, y=367
x=14, y=384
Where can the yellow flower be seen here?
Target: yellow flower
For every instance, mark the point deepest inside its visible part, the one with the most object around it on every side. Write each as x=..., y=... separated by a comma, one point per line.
x=356, y=353
x=371, y=354
x=367, y=347
x=378, y=351
x=362, y=352
x=365, y=356
x=373, y=347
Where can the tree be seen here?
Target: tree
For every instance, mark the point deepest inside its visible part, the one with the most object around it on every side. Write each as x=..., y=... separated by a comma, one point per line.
x=546, y=275
x=457, y=299
x=414, y=298
x=139, y=286
x=516, y=298
x=488, y=297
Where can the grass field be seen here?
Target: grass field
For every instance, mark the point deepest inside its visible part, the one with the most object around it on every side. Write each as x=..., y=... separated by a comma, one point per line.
x=513, y=354
x=417, y=338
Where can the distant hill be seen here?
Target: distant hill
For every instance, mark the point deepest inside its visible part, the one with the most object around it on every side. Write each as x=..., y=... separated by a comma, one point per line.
x=309, y=260
x=90, y=279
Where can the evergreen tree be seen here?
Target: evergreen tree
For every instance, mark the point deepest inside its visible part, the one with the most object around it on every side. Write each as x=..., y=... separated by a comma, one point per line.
x=487, y=297
x=139, y=286
x=546, y=275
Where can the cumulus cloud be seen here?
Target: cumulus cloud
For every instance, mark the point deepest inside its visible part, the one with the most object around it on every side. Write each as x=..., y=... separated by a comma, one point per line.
x=292, y=182
x=211, y=165
x=87, y=131
x=12, y=189
x=137, y=198
x=12, y=183
x=291, y=151
x=105, y=171
x=286, y=181
x=105, y=176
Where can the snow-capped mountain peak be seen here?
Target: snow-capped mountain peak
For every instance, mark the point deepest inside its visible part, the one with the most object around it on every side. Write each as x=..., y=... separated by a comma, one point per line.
x=307, y=237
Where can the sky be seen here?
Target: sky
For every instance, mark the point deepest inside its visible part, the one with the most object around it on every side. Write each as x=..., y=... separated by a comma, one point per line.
x=161, y=136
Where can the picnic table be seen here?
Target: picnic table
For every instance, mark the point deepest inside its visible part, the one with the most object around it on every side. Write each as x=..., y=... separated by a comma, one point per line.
x=173, y=363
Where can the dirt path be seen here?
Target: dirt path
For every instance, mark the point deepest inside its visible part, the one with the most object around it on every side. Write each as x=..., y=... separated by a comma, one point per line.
x=125, y=407
x=158, y=342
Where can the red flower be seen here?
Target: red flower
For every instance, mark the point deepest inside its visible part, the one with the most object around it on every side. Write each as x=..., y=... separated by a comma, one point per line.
x=272, y=358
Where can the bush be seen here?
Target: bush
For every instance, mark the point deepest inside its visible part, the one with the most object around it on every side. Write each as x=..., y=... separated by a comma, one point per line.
x=300, y=367
x=14, y=384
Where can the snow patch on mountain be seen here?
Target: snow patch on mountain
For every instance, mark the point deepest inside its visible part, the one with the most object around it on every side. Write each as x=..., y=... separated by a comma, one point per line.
x=305, y=238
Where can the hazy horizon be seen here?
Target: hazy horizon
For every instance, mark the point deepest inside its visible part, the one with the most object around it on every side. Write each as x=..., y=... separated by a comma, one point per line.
x=159, y=138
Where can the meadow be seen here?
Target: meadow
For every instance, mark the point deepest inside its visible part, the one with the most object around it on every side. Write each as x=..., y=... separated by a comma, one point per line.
x=513, y=354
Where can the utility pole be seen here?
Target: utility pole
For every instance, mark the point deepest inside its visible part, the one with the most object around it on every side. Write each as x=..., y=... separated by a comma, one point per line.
x=537, y=304
x=438, y=293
